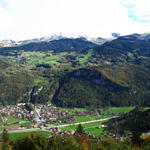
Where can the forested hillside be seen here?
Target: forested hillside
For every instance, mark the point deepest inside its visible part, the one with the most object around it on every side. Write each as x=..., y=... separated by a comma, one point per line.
x=77, y=73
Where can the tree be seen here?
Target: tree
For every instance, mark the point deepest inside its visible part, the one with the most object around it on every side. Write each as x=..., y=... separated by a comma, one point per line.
x=136, y=129
x=80, y=129
x=5, y=141
x=5, y=136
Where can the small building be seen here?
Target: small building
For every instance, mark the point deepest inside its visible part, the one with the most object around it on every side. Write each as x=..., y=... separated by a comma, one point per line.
x=72, y=132
x=102, y=126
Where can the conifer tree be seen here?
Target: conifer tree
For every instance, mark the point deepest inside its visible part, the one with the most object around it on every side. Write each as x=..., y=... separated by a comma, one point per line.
x=80, y=129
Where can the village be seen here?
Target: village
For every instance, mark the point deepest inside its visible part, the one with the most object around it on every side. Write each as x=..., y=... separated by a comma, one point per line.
x=42, y=115
x=48, y=118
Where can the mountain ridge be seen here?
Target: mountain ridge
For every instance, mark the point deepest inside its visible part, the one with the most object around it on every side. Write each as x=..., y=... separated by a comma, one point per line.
x=11, y=43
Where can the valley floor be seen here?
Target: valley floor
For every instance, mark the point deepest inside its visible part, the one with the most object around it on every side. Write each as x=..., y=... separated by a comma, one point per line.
x=61, y=120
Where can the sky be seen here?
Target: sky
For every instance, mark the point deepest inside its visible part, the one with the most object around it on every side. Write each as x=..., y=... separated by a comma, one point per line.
x=27, y=19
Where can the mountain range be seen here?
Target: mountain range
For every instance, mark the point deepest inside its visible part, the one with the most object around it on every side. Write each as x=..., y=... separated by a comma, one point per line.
x=11, y=43
x=76, y=72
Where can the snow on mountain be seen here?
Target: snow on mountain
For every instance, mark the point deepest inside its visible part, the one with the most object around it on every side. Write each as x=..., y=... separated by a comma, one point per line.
x=10, y=43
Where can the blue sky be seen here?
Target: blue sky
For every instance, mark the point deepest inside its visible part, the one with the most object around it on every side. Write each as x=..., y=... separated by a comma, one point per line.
x=3, y=3
x=134, y=7
x=26, y=19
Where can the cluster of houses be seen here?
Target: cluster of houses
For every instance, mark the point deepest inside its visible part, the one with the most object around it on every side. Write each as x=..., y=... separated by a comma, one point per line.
x=17, y=111
x=49, y=114
x=42, y=114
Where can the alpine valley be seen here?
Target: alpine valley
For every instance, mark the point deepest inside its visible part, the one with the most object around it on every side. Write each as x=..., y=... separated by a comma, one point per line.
x=76, y=72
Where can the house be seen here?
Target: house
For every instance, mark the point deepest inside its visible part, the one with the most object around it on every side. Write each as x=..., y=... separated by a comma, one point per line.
x=71, y=132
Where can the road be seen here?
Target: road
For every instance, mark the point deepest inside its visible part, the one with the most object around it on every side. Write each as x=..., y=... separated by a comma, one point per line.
x=71, y=124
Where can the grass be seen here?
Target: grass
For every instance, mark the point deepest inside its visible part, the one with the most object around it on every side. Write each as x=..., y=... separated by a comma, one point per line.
x=146, y=108
x=26, y=123
x=85, y=58
x=12, y=119
x=89, y=128
x=86, y=118
x=34, y=58
x=74, y=109
x=116, y=110
x=109, y=110
x=82, y=119
x=96, y=132
x=14, y=136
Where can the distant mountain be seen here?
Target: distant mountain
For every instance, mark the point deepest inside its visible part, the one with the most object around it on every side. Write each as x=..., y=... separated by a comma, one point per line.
x=7, y=43
x=11, y=43
x=98, y=40
x=61, y=45
x=42, y=39
x=145, y=36
x=136, y=44
x=115, y=35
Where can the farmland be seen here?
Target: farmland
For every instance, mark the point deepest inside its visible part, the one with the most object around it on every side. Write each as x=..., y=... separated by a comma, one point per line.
x=117, y=110
x=14, y=136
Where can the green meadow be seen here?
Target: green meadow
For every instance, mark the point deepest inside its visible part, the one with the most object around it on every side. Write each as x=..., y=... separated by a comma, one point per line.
x=90, y=128
x=117, y=110
x=14, y=136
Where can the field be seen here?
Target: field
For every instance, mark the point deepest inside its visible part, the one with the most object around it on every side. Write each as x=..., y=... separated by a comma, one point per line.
x=84, y=58
x=74, y=109
x=89, y=128
x=49, y=57
x=106, y=111
x=34, y=58
x=117, y=110
x=11, y=120
x=14, y=136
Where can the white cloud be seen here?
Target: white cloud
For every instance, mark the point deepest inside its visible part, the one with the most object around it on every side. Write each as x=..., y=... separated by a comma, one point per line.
x=23, y=19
